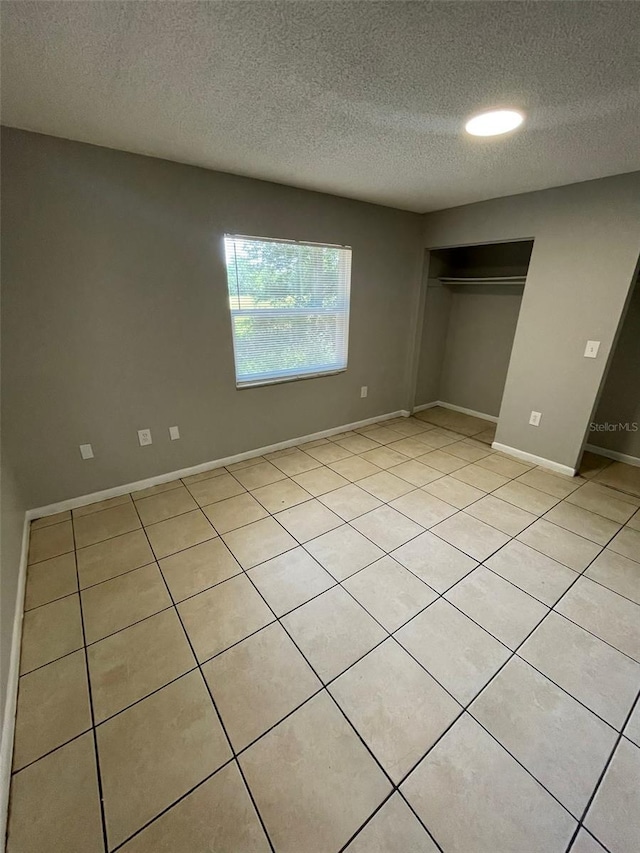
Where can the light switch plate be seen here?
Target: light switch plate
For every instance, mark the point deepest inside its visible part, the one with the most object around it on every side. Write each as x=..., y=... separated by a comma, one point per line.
x=534, y=418
x=86, y=451
x=174, y=433
x=364, y=391
x=591, y=349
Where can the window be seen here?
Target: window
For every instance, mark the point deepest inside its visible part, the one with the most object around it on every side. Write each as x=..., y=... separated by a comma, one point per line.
x=289, y=307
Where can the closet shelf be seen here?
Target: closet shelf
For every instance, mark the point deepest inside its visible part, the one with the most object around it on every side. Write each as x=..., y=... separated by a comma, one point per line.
x=497, y=279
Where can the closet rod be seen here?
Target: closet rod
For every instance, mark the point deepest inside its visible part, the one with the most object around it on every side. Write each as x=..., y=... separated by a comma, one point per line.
x=496, y=279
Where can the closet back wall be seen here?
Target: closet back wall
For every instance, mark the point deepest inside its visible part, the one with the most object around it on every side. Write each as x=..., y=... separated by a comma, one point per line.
x=437, y=308
x=482, y=326
x=116, y=313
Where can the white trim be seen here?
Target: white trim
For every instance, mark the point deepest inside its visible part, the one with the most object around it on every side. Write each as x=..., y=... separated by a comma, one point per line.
x=472, y=412
x=283, y=240
x=116, y=491
x=613, y=454
x=461, y=409
x=281, y=379
x=9, y=718
x=535, y=460
x=425, y=406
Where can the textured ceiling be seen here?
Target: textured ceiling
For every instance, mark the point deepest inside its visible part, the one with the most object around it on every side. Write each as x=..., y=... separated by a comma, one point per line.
x=361, y=99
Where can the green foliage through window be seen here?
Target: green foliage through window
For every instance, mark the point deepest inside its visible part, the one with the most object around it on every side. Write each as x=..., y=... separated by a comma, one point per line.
x=289, y=306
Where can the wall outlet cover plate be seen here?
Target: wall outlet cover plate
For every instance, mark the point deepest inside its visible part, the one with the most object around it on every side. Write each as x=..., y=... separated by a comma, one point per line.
x=144, y=437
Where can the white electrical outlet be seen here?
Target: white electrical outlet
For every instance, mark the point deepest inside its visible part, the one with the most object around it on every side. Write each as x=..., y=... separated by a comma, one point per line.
x=591, y=349
x=534, y=419
x=364, y=391
x=174, y=433
x=144, y=437
x=86, y=451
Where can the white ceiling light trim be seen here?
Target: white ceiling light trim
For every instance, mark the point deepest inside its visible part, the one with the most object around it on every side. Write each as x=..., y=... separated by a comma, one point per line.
x=494, y=122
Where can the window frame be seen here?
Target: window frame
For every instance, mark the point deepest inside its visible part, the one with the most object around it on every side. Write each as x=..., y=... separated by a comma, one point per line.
x=343, y=314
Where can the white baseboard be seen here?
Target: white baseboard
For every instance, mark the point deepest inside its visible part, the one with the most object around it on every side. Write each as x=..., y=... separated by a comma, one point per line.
x=535, y=460
x=9, y=718
x=454, y=408
x=472, y=412
x=613, y=454
x=425, y=406
x=125, y=488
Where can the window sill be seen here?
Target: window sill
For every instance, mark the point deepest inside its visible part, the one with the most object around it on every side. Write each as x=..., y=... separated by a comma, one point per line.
x=259, y=383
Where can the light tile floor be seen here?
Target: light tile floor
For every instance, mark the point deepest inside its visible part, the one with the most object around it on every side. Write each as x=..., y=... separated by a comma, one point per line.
x=389, y=641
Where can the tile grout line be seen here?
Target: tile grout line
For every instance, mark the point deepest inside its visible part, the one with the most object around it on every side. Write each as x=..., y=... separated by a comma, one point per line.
x=325, y=686
x=515, y=653
x=54, y=749
x=349, y=522
x=140, y=830
x=142, y=529
x=340, y=583
x=463, y=708
x=373, y=814
x=336, y=583
x=590, y=835
x=217, y=712
x=330, y=491
x=441, y=596
x=388, y=554
x=502, y=643
x=457, y=510
x=466, y=707
x=598, y=784
x=94, y=733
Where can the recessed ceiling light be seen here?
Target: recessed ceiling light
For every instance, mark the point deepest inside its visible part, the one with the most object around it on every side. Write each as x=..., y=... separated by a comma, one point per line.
x=494, y=122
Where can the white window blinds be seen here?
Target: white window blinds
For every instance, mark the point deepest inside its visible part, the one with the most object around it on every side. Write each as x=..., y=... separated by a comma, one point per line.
x=289, y=307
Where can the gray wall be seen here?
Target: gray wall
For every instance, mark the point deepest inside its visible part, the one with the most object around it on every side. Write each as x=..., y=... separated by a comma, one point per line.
x=587, y=241
x=11, y=525
x=437, y=308
x=620, y=400
x=12, y=510
x=482, y=325
x=116, y=313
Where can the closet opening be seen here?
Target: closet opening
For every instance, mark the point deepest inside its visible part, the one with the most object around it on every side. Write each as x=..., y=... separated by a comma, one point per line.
x=472, y=303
